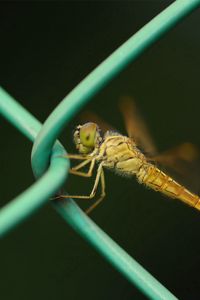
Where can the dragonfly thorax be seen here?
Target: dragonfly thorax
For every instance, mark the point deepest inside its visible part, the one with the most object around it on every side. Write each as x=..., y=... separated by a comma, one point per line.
x=87, y=137
x=121, y=154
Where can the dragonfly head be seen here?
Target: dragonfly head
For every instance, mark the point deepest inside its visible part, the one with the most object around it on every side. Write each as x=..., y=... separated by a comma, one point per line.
x=87, y=137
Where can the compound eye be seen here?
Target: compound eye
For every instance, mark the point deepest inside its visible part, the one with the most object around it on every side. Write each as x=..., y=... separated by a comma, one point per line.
x=88, y=135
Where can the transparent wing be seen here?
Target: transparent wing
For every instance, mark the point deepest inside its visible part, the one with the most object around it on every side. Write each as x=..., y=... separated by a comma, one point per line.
x=135, y=125
x=182, y=163
x=185, y=152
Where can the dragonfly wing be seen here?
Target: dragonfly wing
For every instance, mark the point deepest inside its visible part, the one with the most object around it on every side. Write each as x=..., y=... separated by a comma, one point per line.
x=136, y=126
x=183, y=163
x=187, y=152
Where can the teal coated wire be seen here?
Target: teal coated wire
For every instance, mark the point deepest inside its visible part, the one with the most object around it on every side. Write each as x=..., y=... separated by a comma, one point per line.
x=34, y=197
x=122, y=261
x=129, y=51
x=116, y=62
x=26, y=203
x=74, y=101
x=18, y=116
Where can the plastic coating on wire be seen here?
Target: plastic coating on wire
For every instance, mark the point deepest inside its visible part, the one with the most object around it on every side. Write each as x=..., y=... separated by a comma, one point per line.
x=53, y=170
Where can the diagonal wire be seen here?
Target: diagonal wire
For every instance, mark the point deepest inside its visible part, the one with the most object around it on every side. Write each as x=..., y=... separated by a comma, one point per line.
x=61, y=115
x=38, y=194
x=98, y=78
x=35, y=196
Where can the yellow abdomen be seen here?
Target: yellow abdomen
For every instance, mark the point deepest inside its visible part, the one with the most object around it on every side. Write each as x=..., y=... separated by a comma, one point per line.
x=154, y=178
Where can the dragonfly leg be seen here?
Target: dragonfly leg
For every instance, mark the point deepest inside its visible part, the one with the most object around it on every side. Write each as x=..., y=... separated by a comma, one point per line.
x=94, y=205
x=76, y=156
x=75, y=169
x=86, y=160
x=94, y=189
x=81, y=165
x=83, y=174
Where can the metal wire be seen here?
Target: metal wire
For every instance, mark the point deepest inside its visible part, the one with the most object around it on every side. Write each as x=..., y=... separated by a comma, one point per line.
x=115, y=63
x=38, y=194
x=35, y=196
x=54, y=177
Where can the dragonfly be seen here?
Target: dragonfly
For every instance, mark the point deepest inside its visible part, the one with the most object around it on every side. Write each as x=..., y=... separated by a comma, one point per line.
x=123, y=155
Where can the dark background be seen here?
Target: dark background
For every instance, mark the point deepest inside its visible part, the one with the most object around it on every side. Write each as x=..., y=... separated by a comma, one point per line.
x=46, y=49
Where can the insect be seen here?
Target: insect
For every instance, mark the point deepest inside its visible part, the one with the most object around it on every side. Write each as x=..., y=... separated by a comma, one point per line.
x=121, y=154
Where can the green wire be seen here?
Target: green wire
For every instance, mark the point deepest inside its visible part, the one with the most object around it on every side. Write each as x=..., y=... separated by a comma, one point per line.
x=115, y=63
x=38, y=193
x=122, y=261
x=35, y=196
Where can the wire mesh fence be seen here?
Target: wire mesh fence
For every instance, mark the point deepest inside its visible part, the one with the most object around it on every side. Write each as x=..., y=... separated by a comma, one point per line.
x=52, y=170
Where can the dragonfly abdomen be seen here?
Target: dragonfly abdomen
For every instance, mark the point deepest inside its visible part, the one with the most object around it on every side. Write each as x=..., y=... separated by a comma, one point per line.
x=154, y=178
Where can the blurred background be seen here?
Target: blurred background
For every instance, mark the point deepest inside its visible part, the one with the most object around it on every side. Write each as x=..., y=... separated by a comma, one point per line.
x=46, y=49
